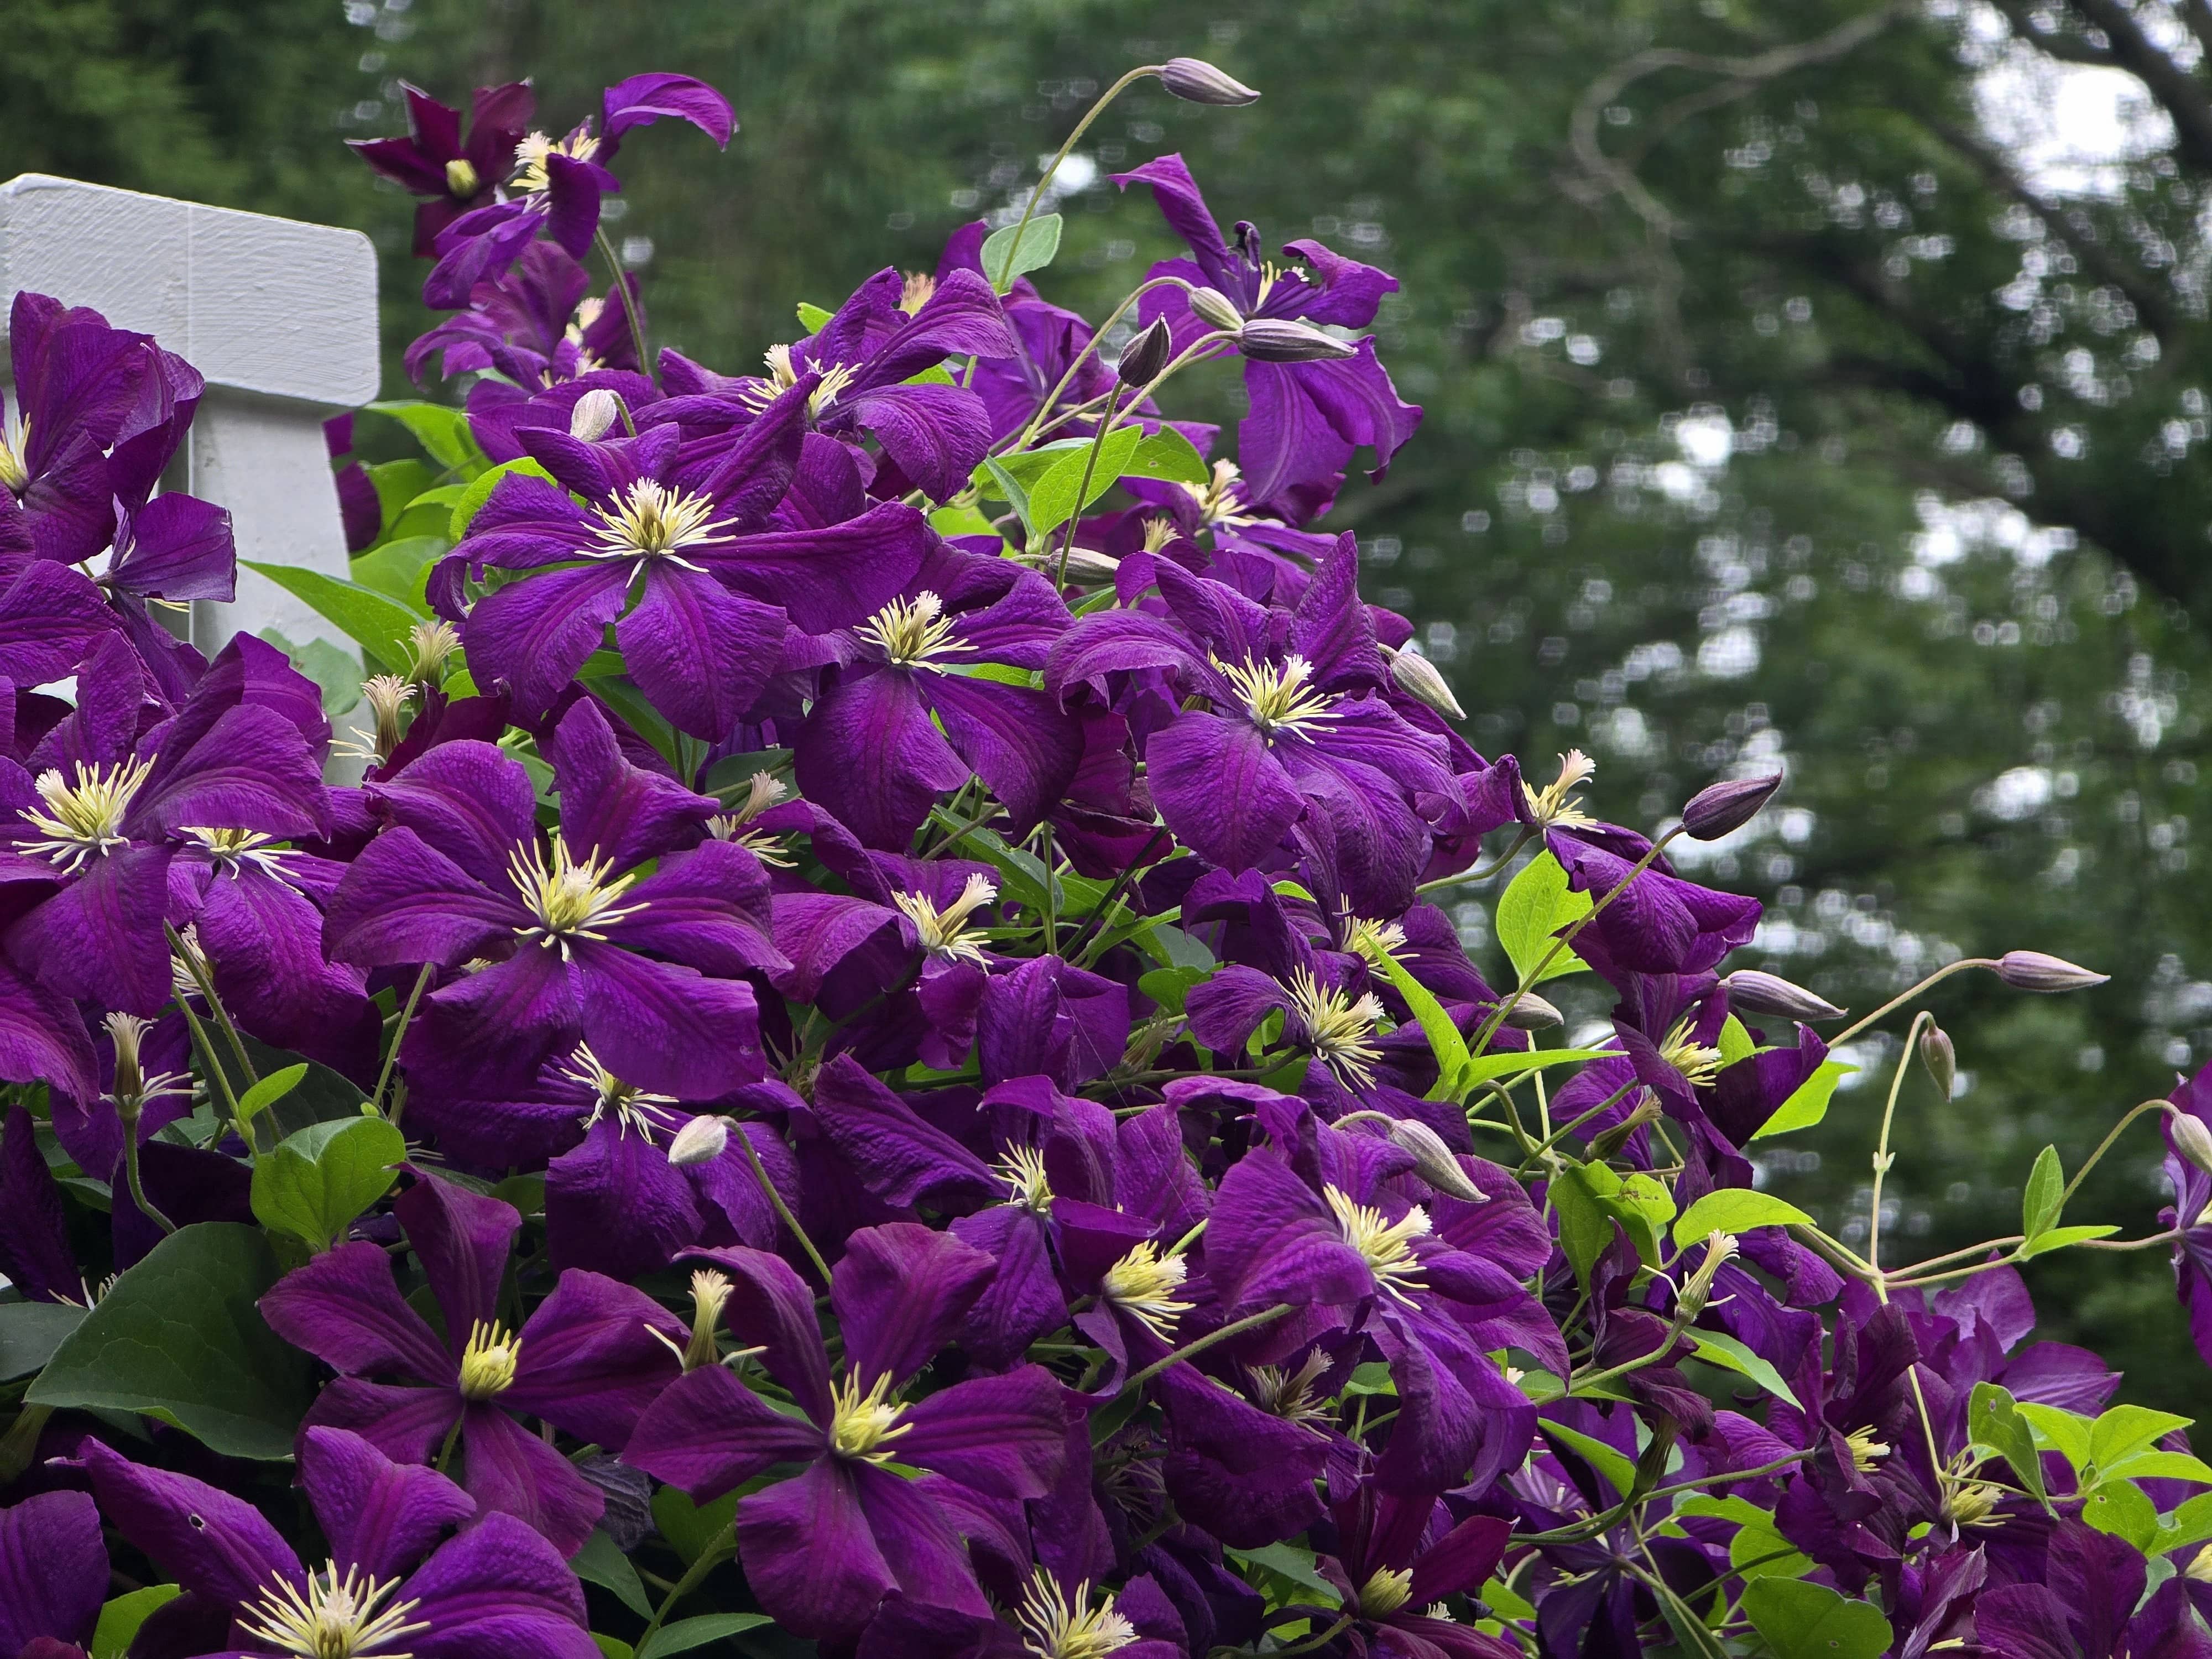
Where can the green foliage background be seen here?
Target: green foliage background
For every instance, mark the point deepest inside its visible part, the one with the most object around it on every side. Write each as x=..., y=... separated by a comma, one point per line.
x=1794, y=424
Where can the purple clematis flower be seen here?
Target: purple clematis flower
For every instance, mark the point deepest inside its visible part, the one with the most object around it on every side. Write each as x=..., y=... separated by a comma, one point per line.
x=540, y=325
x=498, y=1588
x=451, y=175
x=715, y=586
x=2192, y=1198
x=80, y=389
x=1306, y=418
x=823, y=1549
x=53, y=1576
x=577, y=946
x=1397, y=1558
x=588, y=1360
x=872, y=751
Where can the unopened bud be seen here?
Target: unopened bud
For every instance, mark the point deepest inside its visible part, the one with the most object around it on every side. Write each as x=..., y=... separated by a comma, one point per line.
x=1433, y=1161
x=1273, y=340
x=1419, y=678
x=2199, y=1570
x=2187, y=1134
x=461, y=177
x=1719, y=807
x=1085, y=566
x=594, y=415
x=1197, y=81
x=1146, y=355
x=1530, y=1012
x=1941, y=1058
x=1755, y=992
x=2032, y=970
x=699, y=1141
x=1215, y=309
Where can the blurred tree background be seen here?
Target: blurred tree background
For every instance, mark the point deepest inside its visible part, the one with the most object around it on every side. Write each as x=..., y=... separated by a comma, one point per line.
x=1809, y=384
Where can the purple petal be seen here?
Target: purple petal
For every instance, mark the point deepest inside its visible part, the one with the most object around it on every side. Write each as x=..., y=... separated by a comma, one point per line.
x=48, y=616
x=610, y=809
x=809, y=1552
x=644, y=99
x=100, y=939
x=176, y=547
x=42, y=1037
x=264, y=943
x=1007, y=1435
x=462, y=1239
x=1220, y=788
x=53, y=1569
x=709, y=908
x=870, y=754
x=343, y=1308
x=498, y=1591
x=918, y=1541
x=215, y=1545
x=666, y=1028
x=831, y=577
x=532, y=636
x=616, y=1204
x=34, y=1245
x=899, y=1293
x=510, y=1471
x=471, y=801
x=898, y=1156
x=590, y=1362
x=491, y=1030
x=708, y=1434
x=1017, y=739
x=700, y=653
x=403, y=902
x=771, y=1308
x=380, y=1516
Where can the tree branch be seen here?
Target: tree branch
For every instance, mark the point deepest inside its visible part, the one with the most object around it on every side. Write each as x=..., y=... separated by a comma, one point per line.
x=2184, y=98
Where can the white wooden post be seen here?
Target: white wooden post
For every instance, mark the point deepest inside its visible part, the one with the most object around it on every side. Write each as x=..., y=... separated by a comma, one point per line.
x=279, y=316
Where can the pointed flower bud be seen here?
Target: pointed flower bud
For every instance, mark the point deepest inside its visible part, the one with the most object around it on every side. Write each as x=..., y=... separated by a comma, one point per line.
x=2032, y=971
x=1146, y=355
x=699, y=1141
x=1530, y=1012
x=1215, y=309
x=1753, y=993
x=1197, y=81
x=1274, y=340
x=1729, y=805
x=1419, y=678
x=2189, y=1137
x=1433, y=1161
x=594, y=415
x=1941, y=1058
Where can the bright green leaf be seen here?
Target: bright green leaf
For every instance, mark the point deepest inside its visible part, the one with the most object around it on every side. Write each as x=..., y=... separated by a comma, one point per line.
x=1482, y=1068
x=1585, y=1223
x=178, y=1337
x=2120, y=1508
x=2041, y=1201
x=1618, y=1471
x=691, y=1528
x=2125, y=1429
x=1534, y=906
x=1808, y=1103
x=2057, y=1238
x=1291, y=1561
x=612, y=1647
x=697, y=1632
x=1169, y=986
x=270, y=1089
x=120, y=1619
x=1735, y=1210
x=1993, y=1420
x=600, y=1563
x=1007, y=254
x=1716, y=1348
x=1053, y=498
x=2063, y=1432
x=1445, y=1043
x=397, y=484
x=441, y=429
x=813, y=318
x=318, y=1179
x=1168, y=454
x=1809, y=1621
x=471, y=500
x=1735, y=1042
x=373, y=620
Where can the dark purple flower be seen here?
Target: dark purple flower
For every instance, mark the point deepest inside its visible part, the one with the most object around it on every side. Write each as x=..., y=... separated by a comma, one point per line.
x=588, y=1360
x=1306, y=418
x=53, y=1576
x=78, y=385
x=540, y=325
x=1398, y=1557
x=434, y=163
x=498, y=1588
x=821, y=1550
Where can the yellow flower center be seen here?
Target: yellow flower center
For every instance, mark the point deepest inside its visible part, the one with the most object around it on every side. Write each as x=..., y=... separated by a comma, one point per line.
x=1698, y=1063
x=1023, y=1169
x=652, y=521
x=461, y=180
x=570, y=901
x=1386, y=1247
x=1276, y=697
x=1386, y=1590
x=1554, y=806
x=912, y=631
x=230, y=848
x=1866, y=1451
x=334, y=1618
x=1289, y=1394
x=916, y=291
x=1143, y=1283
x=944, y=932
x=763, y=792
x=1057, y=1627
x=488, y=1363
x=1216, y=498
x=709, y=1291
x=533, y=152
x=1339, y=1027
x=859, y=1423
x=85, y=818
x=629, y=1105
x=1373, y=941
x=783, y=374
x=14, y=471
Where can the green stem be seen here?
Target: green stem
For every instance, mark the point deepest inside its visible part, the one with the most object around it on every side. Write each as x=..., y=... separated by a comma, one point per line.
x=1082, y=489
x=1099, y=919
x=629, y=308
x=406, y=1014
x=198, y=969
x=1475, y=873
x=1313, y=1643
x=1234, y=1327
x=1037, y=191
x=130, y=1177
x=205, y=1044
x=1036, y=423
x=775, y=1201
x=1904, y=997
x=1882, y=1156
x=2106, y=1144
x=718, y=1550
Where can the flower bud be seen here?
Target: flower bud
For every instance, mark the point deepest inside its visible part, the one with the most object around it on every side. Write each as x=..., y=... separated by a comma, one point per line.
x=1755, y=992
x=1197, y=81
x=2032, y=971
x=1433, y=1161
x=1418, y=677
x=699, y=1141
x=1147, y=354
x=1729, y=805
x=1215, y=309
x=2186, y=1133
x=594, y=415
x=1272, y=340
x=1530, y=1012
x=1941, y=1058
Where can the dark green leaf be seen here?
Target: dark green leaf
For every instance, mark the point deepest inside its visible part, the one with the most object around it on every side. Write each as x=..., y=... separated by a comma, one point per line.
x=29, y=1334
x=336, y=670
x=697, y=1632
x=600, y=1563
x=178, y=1337
x=369, y=618
x=691, y=1528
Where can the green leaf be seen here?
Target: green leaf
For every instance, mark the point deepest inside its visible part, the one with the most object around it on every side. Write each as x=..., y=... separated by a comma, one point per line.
x=1716, y=1349
x=1993, y=1420
x=1003, y=261
x=1169, y=986
x=2158, y=1466
x=401, y=570
x=120, y=1619
x=1445, y=1043
x=612, y=1647
x=317, y=1181
x=691, y=1528
x=1692, y=1633
x=600, y=1563
x=1534, y=906
x=2057, y=1238
x=1620, y=1472
x=812, y=318
x=697, y=1632
x=472, y=499
x=2120, y=1508
x=1168, y=454
x=1015, y=491
x=443, y=431
x=270, y=1089
x=1734, y=1209
x=1808, y=1103
x=1585, y=1223
x=1481, y=1068
x=29, y=1334
x=1735, y=1042
x=2064, y=1432
x=1809, y=1621
x=2124, y=1431
x=399, y=482
x=2192, y=1524
x=373, y=620
x=1756, y=1550
x=1290, y=1561
x=335, y=670
x=2040, y=1202
x=1177, y=948
x=1053, y=498
x=961, y=521
x=1504, y=1602
x=178, y=1337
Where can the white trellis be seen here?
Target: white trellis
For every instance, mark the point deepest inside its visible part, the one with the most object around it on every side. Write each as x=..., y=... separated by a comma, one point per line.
x=279, y=316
